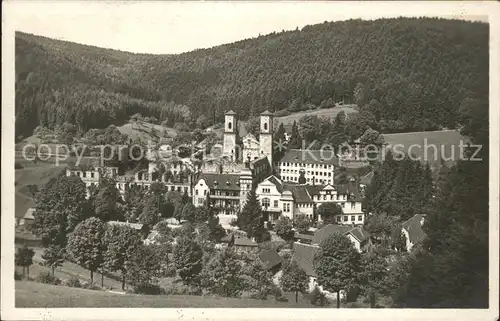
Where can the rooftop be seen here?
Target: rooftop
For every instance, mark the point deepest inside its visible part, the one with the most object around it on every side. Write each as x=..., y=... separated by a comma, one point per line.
x=326, y=157
x=270, y=258
x=222, y=181
x=29, y=214
x=135, y=226
x=357, y=232
x=230, y=112
x=303, y=254
x=267, y=113
x=414, y=228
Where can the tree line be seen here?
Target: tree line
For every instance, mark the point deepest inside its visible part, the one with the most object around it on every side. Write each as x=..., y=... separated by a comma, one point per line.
x=412, y=74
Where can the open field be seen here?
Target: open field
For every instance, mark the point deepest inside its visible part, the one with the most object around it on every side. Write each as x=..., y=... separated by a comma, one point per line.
x=142, y=131
x=447, y=144
x=327, y=112
x=38, y=295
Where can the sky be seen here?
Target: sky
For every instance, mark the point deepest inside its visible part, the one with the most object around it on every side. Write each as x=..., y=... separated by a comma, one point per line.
x=176, y=27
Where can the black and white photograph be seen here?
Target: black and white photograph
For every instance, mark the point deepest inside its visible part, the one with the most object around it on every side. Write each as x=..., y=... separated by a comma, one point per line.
x=316, y=159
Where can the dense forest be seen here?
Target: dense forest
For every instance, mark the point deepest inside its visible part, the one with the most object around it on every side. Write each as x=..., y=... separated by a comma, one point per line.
x=411, y=74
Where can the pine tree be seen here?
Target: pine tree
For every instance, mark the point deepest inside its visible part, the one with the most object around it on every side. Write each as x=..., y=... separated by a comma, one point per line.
x=250, y=219
x=295, y=139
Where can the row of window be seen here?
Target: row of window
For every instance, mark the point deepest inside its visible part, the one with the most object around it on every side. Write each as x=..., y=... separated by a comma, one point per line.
x=345, y=218
x=196, y=192
x=84, y=174
x=320, y=173
x=224, y=193
x=329, y=197
x=266, y=202
x=308, y=179
x=325, y=166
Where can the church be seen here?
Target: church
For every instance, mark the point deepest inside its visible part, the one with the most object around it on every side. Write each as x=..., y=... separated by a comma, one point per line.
x=227, y=181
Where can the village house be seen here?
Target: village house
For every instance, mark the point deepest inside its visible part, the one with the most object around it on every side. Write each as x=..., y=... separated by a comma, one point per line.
x=240, y=242
x=290, y=200
x=412, y=230
x=28, y=218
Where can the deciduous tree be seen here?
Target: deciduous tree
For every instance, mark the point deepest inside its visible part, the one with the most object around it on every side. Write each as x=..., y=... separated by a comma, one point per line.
x=294, y=279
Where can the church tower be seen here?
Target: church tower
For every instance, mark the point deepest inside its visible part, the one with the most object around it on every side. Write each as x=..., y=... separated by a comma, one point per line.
x=230, y=130
x=266, y=136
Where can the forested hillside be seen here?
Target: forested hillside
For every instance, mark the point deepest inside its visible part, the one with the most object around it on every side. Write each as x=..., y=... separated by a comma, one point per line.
x=412, y=74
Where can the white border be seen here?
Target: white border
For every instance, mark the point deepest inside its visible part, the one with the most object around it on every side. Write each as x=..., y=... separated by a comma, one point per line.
x=342, y=9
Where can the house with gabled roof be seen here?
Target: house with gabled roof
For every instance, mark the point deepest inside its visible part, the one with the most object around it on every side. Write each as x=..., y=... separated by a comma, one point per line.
x=412, y=230
x=288, y=199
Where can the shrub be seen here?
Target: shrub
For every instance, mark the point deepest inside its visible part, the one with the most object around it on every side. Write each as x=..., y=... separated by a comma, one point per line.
x=233, y=222
x=170, y=271
x=88, y=286
x=48, y=278
x=182, y=289
x=148, y=288
x=317, y=297
x=278, y=295
x=18, y=165
x=73, y=282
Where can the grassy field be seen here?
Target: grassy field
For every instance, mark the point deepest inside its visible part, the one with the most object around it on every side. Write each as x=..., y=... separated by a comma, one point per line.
x=446, y=142
x=37, y=174
x=142, y=131
x=327, y=112
x=38, y=295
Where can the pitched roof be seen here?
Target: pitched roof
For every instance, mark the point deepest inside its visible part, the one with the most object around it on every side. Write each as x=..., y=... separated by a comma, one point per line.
x=328, y=230
x=29, y=214
x=220, y=181
x=414, y=228
x=303, y=254
x=359, y=233
x=302, y=236
x=300, y=193
x=326, y=157
x=267, y=113
x=276, y=182
x=135, y=226
x=270, y=258
x=230, y=112
x=367, y=179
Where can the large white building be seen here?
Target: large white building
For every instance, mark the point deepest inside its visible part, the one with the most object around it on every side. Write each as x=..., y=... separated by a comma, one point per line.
x=280, y=198
x=318, y=166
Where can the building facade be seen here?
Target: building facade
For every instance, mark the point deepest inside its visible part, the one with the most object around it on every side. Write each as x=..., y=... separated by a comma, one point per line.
x=290, y=200
x=317, y=166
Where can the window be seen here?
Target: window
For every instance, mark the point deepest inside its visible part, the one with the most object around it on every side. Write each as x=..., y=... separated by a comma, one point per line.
x=84, y=174
x=196, y=192
x=345, y=218
x=338, y=218
x=266, y=190
x=360, y=217
x=92, y=175
x=265, y=126
x=324, y=197
x=200, y=201
x=275, y=203
x=204, y=192
x=353, y=218
x=229, y=126
x=353, y=205
x=265, y=202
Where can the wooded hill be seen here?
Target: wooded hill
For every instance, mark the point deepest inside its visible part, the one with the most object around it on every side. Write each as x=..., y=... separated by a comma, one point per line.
x=412, y=74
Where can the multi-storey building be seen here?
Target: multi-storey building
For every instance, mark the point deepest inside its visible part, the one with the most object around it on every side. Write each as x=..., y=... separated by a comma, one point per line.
x=279, y=198
x=317, y=166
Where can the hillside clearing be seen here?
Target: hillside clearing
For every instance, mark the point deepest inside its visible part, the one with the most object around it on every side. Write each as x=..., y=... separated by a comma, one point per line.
x=446, y=142
x=327, y=112
x=143, y=131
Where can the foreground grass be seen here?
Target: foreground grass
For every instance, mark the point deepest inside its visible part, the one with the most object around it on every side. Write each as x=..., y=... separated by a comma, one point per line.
x=38, y=295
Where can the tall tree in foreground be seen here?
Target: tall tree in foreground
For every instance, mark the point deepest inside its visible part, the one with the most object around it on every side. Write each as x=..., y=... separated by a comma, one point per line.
x=294, y=279
x=121, y=242
x=24, y=258
x=373, y=275
x=337, y=264
x=222, y=274
x=142, y=266
x=53, y=257
x=86, y=246
x=188, y=259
